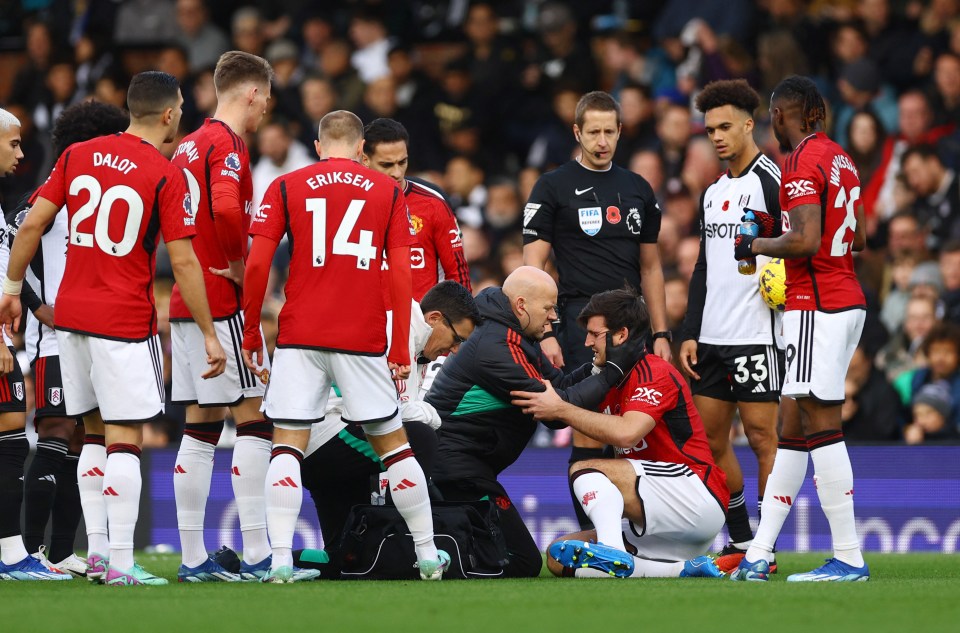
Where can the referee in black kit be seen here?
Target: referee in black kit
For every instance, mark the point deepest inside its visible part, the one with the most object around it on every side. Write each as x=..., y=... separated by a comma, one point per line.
x=602, y=222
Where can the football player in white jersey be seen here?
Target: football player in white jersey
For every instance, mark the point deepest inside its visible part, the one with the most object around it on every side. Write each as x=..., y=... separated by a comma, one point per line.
x=729, y=342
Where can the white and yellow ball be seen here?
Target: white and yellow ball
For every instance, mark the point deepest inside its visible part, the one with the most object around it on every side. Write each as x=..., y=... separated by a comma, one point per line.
x=773, y=284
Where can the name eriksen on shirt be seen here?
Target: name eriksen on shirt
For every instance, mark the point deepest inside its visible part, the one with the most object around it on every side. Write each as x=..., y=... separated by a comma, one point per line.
x=124, y=165
x=341, y=178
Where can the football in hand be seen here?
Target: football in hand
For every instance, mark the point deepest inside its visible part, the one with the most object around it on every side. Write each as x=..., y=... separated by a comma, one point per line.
x=773, y=284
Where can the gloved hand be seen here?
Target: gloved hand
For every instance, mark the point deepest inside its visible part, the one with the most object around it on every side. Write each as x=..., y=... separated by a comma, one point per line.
x=766, y=223
x=742, y=247
x=420, y=411
x=620, y=359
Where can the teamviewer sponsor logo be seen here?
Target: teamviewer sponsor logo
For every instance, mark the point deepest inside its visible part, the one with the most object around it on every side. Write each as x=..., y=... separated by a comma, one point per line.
x=799, y=188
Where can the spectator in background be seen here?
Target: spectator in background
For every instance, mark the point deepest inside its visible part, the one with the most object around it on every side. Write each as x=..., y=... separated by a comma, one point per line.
x=552, y=147
x=860, y=87
x=677, y=288
x=942, y=350
x=932, y=414
x=316, y=32
x=949, y=264
x=871, y=409
x=903, y=352
x=173, y=61
x=416, y=96
x=205, y=93
x=560, y=58
x=279, y=154
x=60, y=91
x=673, y=130
x=379, y=100
x=247, y=31
x=29, y=82
x=895, y=302
x=894, y=45
x=283, y=56
x=111, y=87
x=463, y=182
x=503, y=213
x=688, y=250
x=93, y=58
x=647, y=163
x=866, y=135
x=493, y=63
x=946, y=95
x=938, y=194
x=638, y=129
x=141, y=22
x=317, y=99
x=701, y=167
x=202, y=39
x=336, y=68
x=369, y=35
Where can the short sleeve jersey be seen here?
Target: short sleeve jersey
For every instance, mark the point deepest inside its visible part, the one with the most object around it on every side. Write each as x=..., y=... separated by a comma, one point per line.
x=819, y=172
x=339, y=218
x=121, y=196
x=439, y=246
x=655, y=387
x=214, y=153
x=596, y=222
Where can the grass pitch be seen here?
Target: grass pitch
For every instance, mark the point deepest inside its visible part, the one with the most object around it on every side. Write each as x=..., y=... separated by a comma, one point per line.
x=916, y=592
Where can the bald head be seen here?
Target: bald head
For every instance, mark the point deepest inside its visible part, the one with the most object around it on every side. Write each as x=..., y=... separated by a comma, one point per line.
x=533, y=297
x=340, y=135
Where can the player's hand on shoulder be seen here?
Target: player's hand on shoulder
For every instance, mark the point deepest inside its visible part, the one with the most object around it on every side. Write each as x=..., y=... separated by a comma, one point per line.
x=766, y=223
x=661, y=347
x=44, y=314
x=542, y=405
x=216, y=357
x=688, y=358
x=234, y=272
x=6, y=360
x=551, y=349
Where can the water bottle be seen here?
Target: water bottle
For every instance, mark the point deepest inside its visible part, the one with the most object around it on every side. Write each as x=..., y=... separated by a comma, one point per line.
x=748, y=227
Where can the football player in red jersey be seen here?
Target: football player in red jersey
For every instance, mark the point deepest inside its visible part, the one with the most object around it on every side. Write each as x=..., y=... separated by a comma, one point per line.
x=340, y=218
x=385, y=149
x=823, y=223
x=121, y=196
x=663, y=478
x=216, y=164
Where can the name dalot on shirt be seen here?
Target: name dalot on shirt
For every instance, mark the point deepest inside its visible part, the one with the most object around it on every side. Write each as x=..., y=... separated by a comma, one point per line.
x=124, y=165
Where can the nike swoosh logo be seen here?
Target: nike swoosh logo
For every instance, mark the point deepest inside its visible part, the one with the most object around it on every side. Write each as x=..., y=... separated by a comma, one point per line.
x=581, y=192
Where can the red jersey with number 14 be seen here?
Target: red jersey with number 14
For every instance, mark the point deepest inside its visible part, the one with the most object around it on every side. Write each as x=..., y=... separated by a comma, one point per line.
x=214, y=153
x=655, y=387
x=820, y=172
x=339, y=217
x=120, y=194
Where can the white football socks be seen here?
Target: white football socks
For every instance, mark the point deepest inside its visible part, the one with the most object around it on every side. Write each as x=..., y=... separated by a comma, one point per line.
x=833, y=476
x=121, y=491
x=251, y=459
x=191, y=487
x=284, y=494
x=12, y=549
x=90, y=470
x=603, y=504
x=408, y=488
x=783, y=484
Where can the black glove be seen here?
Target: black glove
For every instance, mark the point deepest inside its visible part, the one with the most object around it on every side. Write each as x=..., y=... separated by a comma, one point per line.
x=621, y=358
x=766, y=223
x=742, y=247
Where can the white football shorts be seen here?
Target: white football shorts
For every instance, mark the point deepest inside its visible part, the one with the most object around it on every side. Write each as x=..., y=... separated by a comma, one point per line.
x=819, y=348
x=300, y=387
x=682, y=517
x=122, y=379
x=190, y=362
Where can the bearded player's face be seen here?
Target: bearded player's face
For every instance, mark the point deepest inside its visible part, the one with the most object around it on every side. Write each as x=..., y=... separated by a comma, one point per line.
x=779, y=127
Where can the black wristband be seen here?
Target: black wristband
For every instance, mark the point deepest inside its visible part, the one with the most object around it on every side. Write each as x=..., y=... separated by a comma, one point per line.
x=667, y=334
x=550, y=334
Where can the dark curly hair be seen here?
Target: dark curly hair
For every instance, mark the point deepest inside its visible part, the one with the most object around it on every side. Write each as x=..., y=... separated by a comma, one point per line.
x=734, y=92
x=86, y=120
x=801, y=91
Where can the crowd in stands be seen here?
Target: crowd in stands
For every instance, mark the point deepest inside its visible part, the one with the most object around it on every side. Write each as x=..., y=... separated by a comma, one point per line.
x=487, y=91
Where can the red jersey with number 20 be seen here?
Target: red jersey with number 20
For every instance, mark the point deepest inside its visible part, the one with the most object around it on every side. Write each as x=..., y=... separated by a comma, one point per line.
x=120, y=194
x=819, y=172
x=212, y=154
x=656, y=388
x=339, y=217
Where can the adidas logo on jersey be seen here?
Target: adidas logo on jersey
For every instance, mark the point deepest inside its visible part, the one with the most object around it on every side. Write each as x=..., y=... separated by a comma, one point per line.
x=759, y=389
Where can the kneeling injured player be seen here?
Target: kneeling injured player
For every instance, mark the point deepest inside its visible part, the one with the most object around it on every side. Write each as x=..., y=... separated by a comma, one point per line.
x=660, y=502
